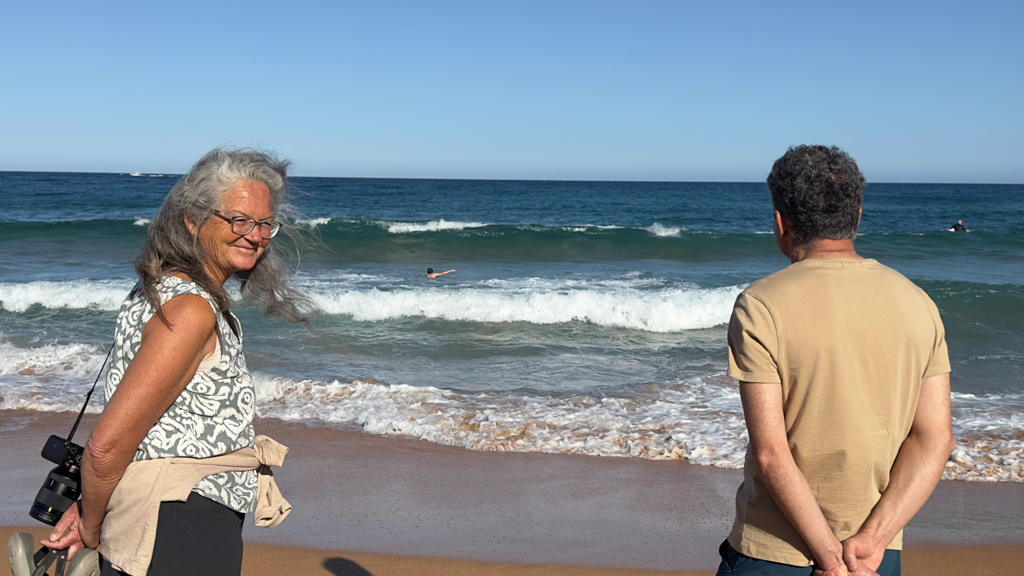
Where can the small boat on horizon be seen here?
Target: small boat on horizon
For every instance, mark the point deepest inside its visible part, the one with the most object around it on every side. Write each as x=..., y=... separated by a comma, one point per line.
x=136, y=174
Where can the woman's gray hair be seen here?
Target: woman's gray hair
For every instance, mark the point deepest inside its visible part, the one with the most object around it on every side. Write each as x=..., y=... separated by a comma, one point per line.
x=172, y=247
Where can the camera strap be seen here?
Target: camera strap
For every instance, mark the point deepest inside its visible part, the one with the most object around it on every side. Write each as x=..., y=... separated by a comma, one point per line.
x=89, y=395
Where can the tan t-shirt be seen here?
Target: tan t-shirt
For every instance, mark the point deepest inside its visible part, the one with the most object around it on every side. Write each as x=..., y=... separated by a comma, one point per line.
x=849, y=341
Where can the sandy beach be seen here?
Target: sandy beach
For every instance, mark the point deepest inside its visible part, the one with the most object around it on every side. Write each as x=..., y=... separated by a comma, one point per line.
x=366, y=504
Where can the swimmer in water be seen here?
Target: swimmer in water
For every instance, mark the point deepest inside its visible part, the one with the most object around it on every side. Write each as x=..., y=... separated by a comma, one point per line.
x=958, y=227
x=432, y=274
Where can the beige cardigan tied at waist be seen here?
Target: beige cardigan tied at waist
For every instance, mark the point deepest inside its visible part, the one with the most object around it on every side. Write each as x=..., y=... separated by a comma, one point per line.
x=129, y=527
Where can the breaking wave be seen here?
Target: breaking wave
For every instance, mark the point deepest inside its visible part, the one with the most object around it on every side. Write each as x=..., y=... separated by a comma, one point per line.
x=665, y=310
x=433, y=226
x=89, y=294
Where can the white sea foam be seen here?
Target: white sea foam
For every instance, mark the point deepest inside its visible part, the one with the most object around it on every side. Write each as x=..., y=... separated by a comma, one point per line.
x=665, y=231
x=142, y=221
x=635, y=280
x=312, y=222
x=988, y=460
x=91, y=294
x=966, y=397
x=49, y=378
x=433, y=226
x=632, y=302
x=341, y=277
x=332, y=279
x=698, y=419
x=583, y=228
x=668, y=310
x=989, y=429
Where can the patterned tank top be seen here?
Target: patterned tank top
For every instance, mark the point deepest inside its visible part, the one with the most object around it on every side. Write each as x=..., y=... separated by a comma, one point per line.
x=213, y=414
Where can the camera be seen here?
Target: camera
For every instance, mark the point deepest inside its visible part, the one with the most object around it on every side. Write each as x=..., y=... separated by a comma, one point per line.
x=62, y=485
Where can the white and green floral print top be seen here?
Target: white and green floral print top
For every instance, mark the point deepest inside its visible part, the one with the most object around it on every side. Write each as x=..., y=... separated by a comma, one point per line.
x=213, y=415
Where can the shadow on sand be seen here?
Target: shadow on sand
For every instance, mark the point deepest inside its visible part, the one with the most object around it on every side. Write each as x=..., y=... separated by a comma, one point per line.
x=343, y=567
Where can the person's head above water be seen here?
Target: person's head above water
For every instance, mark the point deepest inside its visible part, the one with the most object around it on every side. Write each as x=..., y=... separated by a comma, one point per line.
x=430, y=270
x=818, y=190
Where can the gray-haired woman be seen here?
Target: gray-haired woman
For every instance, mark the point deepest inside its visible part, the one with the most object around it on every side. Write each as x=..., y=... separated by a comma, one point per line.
x=178, y=362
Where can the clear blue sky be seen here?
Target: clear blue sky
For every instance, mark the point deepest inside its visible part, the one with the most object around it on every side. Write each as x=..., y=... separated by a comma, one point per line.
x=916, y=91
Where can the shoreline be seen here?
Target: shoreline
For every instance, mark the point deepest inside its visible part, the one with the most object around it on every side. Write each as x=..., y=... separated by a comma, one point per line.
x=398, y=505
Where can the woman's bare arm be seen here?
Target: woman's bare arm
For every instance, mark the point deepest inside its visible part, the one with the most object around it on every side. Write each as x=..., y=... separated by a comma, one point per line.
x=166, y=361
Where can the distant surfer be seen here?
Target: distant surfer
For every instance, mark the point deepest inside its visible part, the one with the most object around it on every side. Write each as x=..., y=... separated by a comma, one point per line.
x=432, y=274
x=958, y=227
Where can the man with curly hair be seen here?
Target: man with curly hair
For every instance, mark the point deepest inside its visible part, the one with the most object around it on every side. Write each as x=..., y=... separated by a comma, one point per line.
x=844, y=378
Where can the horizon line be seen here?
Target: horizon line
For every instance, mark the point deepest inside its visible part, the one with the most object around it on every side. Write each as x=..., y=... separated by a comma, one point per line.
x=171, y=174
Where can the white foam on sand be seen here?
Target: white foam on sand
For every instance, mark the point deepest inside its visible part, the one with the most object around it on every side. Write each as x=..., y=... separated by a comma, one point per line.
x=989, y=430
x=698, y=419
x=49, y=378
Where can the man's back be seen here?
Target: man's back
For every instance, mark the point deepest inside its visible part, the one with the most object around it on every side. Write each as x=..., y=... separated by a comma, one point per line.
x=849, y=341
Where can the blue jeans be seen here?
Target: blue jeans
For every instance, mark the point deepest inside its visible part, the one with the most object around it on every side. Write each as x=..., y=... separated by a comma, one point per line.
x=735, y=563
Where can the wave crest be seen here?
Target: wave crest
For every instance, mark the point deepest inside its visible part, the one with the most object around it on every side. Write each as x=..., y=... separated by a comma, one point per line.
x=432, y=226
x=665, y=231
x=668, y=310
x=93, y=294
x=312, y=222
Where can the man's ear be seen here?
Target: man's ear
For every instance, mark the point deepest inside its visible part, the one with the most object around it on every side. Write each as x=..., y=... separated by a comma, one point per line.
x=188, y=224
x=781, y=224
x=783, y=234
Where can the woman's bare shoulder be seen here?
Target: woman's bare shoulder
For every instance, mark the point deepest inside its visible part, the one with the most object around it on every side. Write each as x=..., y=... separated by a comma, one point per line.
x=189, y=311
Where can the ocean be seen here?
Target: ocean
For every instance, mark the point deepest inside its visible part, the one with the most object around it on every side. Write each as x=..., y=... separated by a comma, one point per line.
x=583, y=317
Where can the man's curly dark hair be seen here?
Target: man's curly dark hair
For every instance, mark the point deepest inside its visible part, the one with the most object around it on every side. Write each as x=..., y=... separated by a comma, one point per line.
x=819, y=190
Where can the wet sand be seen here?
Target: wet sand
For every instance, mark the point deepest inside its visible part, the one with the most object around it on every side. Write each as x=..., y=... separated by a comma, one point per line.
x=400, y=506
x=273, y=560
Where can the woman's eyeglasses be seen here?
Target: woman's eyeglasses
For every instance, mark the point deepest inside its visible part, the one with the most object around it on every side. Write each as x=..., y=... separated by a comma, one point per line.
x=242, y=225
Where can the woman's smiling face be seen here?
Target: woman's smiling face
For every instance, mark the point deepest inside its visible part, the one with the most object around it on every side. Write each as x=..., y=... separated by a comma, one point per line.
x=227, y=252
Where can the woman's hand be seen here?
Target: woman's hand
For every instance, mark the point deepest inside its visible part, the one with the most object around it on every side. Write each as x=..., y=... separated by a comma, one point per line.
x=76, y=538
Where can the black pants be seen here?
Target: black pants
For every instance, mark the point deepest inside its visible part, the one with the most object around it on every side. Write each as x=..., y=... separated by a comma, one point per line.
x=197, y=537
x=735, y=563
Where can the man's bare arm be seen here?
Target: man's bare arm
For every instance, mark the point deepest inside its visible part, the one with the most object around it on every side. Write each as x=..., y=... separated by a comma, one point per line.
x=762, y=409
x=914, y=475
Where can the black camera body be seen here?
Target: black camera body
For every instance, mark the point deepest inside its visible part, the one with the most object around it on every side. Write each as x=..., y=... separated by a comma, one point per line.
x=63, y=484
